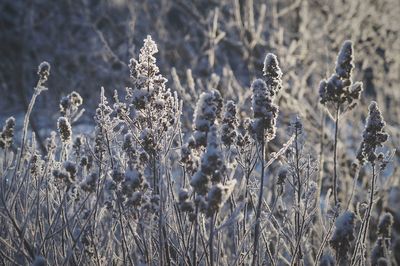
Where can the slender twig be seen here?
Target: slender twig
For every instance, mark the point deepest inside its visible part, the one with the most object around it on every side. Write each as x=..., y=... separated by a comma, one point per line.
x=258, y=210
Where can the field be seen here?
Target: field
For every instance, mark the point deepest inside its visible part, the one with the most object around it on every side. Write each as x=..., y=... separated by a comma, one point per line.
x=233, y=132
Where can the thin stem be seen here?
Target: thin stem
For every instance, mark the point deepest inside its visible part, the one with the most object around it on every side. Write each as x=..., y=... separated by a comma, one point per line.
x=370, y=204
x=335, y=196
x=258, y=214
x=196, y=228
x=211, y=239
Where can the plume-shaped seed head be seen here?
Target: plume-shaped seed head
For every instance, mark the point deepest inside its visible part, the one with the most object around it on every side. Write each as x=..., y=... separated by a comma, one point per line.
x=272, y=73
x=344, y=61
x=64, y=128
x=374, y=135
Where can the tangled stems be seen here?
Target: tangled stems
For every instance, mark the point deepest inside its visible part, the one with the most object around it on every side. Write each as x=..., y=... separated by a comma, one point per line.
x=43, y=72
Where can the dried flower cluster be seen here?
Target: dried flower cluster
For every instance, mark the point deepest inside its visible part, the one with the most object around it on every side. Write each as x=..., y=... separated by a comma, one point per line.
x=374, y=135
x=7, y=134
x=265, y=111
x=339, y=91
x=208, y=110
x=64, y=129
x=229, y=124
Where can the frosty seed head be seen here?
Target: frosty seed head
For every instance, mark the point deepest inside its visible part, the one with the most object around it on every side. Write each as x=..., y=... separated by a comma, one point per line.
x=208, y=109
x=265, y=112
x=218, y=195
x=272, y=74
x=7, y=134
x=76, y=99
x=385, y=225
x=343, y=235
x=71, y=169
x=64, y=129
x=374, y=135
x=339, y=90
x=132, y=68
x=89, y=183
x=43, y=71
x=378, y=252
x=229, y=124
x=344, y=61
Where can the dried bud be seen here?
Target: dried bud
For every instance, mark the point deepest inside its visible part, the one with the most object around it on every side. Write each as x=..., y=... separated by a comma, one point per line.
x=64, y=128
x=272, y=74
x=6, y=136
x=385, y=225
x=374, y=135
x=265, y=112
x=43, y=71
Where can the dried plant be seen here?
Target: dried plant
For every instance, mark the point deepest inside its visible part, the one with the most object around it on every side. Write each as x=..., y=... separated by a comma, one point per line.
x=206, y=173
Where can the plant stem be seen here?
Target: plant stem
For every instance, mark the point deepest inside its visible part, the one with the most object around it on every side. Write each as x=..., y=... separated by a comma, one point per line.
x=211, y=248
x=258, y=214
x=195, y=236
x=335, y=196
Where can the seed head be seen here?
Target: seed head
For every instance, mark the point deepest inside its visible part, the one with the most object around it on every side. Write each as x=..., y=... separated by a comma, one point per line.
x=64, y=128
x=265, y=112
x=43, y=72
x=272, y=74
x=373, y=135
x=7, y=134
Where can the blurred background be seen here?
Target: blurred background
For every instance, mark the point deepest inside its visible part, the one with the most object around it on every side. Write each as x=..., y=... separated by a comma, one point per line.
x=201, y=44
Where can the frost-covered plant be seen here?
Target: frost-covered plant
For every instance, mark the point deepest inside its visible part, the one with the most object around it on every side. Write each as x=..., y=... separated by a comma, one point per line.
x=343, y=236
x=7, y=134
x=144, y=189
x=218, y=195
x=212, y=166
x=69, y=106
x=272, y=74
x=339, y=94
x=263, y=126
x=208, y=110
x=145, y=72
x=189, y=156
x=385, y=225
x=64, y=129
x=229, y=124
x=381, y=251
x=373, y=135
x=265, y=112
